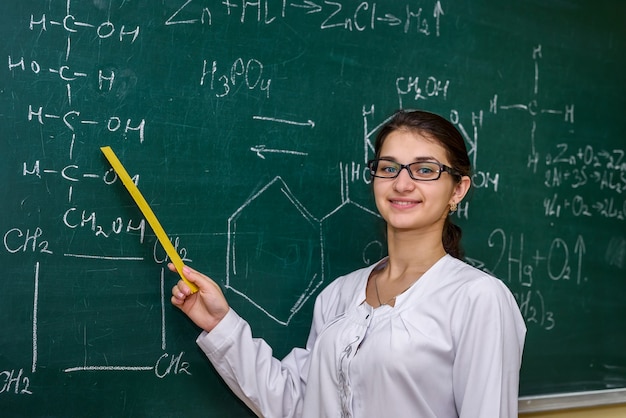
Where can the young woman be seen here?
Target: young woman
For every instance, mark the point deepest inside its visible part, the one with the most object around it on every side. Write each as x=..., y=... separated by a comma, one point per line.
x=418, y=334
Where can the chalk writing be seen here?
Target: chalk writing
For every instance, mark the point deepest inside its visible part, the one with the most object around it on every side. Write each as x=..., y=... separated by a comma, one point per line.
x=562, y=263
x=420, y=89
x=308, y=123
x=248, y=73
x=166, y=365
x=161, y=257
x=74, y=218
x=337, y=15
x=71, y=121
x=533, y=308
x=366, y=17
x=71, y=25
x=250, y=215
x=16, y=382
x=171, y=365
x=18, y=240
x=577, y=206
x=261, y=150
x=584, y=168
x=604, y=169
x=556, y=260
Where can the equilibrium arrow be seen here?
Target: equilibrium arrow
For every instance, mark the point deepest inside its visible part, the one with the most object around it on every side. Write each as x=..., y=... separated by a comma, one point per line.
x=288, y=122
x=261, y=149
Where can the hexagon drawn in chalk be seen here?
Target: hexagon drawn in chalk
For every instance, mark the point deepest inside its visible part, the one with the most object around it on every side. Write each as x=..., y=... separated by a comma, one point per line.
x=273, y=242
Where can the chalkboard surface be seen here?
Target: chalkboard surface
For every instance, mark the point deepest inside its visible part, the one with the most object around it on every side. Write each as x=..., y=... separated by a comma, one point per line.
x=247, y=125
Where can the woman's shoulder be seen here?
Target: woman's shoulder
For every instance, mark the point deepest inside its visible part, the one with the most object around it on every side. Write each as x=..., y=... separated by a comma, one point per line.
x=475, y=290
x=473, y=281
x=465, y=271
x=478, y=297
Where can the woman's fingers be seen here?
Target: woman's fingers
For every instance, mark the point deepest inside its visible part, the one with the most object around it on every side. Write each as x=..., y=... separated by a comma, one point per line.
x=207, y=306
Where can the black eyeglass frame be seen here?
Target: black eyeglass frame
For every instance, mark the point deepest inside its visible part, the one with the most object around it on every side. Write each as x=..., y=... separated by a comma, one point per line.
x=371, y=164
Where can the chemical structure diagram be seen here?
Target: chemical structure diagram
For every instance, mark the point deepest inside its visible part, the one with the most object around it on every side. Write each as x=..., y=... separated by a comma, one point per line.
x=69, y=76
x=20, y=240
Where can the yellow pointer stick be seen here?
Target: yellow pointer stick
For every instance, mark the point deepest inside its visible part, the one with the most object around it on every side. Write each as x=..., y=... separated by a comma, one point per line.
x=147, y=212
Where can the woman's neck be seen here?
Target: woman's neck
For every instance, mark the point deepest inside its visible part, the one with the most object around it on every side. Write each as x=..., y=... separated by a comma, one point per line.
x=400, y=271
x=413, y=252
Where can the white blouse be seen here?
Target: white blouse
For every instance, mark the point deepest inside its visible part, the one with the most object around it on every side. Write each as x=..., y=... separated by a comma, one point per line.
x=450, y=347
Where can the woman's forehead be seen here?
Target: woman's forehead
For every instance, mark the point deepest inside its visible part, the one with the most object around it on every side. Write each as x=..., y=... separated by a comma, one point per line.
x=411, y=145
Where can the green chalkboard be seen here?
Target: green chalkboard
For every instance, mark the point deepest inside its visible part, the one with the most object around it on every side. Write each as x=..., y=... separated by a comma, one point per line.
x=247, y=125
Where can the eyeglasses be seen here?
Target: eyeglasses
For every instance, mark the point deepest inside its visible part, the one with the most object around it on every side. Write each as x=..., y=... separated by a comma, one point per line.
x=422, y=171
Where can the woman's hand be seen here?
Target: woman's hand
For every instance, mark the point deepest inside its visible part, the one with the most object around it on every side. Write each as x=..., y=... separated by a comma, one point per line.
x=207, y=306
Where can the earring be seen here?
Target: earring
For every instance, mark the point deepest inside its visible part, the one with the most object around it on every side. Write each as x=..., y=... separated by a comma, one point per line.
x=453, y=207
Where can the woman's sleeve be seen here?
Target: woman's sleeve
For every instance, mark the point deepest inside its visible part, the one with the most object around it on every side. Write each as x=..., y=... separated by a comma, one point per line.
x=270, y=387
x=491, y=333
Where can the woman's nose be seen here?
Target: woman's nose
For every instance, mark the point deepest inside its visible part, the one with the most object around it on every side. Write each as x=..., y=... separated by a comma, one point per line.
x=403, y=181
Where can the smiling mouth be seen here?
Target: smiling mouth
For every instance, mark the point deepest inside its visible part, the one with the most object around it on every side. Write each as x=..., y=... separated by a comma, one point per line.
x=404, y=202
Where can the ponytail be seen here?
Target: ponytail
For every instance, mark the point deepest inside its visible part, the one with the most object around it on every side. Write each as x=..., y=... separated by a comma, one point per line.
x=451, y=239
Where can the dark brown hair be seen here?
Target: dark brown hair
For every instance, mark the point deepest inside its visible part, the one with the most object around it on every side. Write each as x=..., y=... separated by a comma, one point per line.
x=444, y=133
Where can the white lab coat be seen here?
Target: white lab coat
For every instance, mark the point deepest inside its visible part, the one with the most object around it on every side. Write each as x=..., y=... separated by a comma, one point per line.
x=450, y=347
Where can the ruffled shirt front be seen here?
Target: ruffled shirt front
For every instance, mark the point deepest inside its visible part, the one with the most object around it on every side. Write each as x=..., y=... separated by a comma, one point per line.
x=450, y=347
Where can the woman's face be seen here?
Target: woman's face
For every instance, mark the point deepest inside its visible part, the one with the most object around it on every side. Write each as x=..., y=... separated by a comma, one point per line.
x=408, y=204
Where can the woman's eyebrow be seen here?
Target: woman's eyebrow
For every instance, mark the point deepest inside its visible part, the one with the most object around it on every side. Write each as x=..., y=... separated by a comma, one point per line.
x=420, y=159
